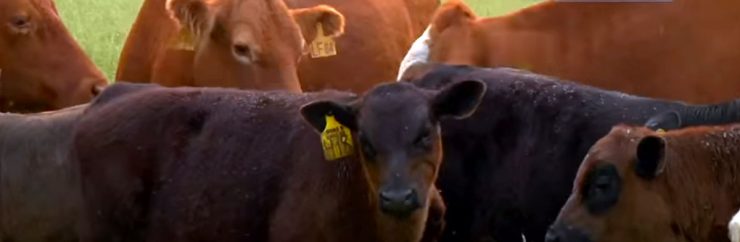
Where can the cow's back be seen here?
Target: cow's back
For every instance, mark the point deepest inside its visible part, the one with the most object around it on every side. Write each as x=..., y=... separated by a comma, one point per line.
x=194, y=164
x=377, y=35
x=39, y=186
x=683, y=50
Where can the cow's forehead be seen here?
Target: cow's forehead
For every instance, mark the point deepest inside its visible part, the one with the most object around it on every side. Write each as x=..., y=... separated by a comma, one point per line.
x=394, y=107
x=393, y=99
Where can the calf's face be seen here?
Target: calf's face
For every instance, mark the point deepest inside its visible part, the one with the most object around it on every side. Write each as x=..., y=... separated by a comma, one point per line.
x=397, y=130
x=251, y=44
x=617, y=193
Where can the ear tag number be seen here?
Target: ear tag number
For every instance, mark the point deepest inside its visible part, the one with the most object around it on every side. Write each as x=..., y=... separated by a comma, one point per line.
x=322, y=46
x=336, y=140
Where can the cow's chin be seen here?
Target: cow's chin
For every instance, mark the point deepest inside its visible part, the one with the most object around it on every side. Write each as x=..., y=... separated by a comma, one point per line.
x=402, y=228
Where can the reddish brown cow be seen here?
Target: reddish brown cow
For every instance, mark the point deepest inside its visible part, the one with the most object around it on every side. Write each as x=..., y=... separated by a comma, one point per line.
x=41, y=65
x=639, y=185
x=683, y=50
x=377, y=35
x=227, y=43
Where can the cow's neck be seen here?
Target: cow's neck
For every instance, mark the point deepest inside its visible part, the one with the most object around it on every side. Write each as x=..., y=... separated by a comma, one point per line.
x=702, y=178
x=723, y=113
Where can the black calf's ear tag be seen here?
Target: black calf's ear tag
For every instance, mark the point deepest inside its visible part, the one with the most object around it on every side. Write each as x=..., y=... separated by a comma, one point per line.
x=650, y=157
x=336, y=139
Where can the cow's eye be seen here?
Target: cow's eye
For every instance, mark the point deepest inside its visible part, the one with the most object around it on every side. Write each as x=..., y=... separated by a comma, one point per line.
x=424, y=140
x=243, y=53
x=20, y=24
x=602, y=189
x=367, y=148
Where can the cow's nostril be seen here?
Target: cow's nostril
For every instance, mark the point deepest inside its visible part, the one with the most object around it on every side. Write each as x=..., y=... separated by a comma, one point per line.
x=97, y=89
x=552, y=237
x=401, y=196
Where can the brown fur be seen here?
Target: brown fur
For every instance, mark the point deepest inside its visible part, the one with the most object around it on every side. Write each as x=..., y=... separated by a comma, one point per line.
x=39, y=185
x=42, y=67
x=200, y=164
x=683, y=50
x=270, y=34
x=691, y=199
x=378, y=33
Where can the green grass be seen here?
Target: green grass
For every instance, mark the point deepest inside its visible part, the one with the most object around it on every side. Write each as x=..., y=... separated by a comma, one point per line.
x=101, y=26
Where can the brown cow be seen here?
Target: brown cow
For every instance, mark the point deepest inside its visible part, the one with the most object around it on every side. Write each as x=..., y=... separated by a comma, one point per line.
x=41, y=66
x=378, y=32
x=39, y=186
x=683, y=50
x=640, y=185
x=205, y=164
x=235, y=43
x=377, y=35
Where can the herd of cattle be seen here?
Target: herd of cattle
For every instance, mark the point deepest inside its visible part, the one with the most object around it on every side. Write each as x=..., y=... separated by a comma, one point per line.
x=290, y=120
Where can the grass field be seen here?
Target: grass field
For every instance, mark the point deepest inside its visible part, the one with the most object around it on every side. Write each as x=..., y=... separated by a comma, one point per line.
x=101, y=25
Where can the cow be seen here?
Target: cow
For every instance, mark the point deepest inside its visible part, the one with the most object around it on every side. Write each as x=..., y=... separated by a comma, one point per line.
x=215, y=164
x=508, y=169
x=636, y=184
x=239, y=43
x=39, y=185
x=41, y=66
x=682, y=50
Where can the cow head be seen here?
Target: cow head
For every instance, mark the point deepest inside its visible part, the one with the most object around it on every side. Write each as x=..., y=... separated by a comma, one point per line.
x=397, y=128
x=248, y=43
x=41, y=65
x=452, y=36
x=617, y=192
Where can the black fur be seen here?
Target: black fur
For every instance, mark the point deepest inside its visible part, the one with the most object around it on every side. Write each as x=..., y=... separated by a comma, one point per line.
x=510, y=167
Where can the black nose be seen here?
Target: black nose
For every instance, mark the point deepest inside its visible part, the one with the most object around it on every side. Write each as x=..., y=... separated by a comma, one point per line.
x=400, y=202
x=552, y=237
x=561, y=232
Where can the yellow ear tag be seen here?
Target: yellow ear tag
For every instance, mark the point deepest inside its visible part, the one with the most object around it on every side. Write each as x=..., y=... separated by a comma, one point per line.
x=183, y=41
x=322, y=46
x=336, y=140
x=660, y=132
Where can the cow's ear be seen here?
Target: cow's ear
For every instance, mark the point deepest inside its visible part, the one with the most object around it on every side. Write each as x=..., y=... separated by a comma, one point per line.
x=665, y=121
x=192, y=15
x=315, y=114
x=331, y=21
x=458, y=100
x=452, y=13
x=650, y=157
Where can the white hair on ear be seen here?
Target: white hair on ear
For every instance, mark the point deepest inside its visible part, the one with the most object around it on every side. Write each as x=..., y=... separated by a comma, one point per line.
x=418, y=53
x=734, y=228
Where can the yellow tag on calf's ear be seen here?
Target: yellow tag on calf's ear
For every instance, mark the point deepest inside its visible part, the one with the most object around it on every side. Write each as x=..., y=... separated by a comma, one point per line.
x=660, y=131
x=336, y=140
x=322, y=45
